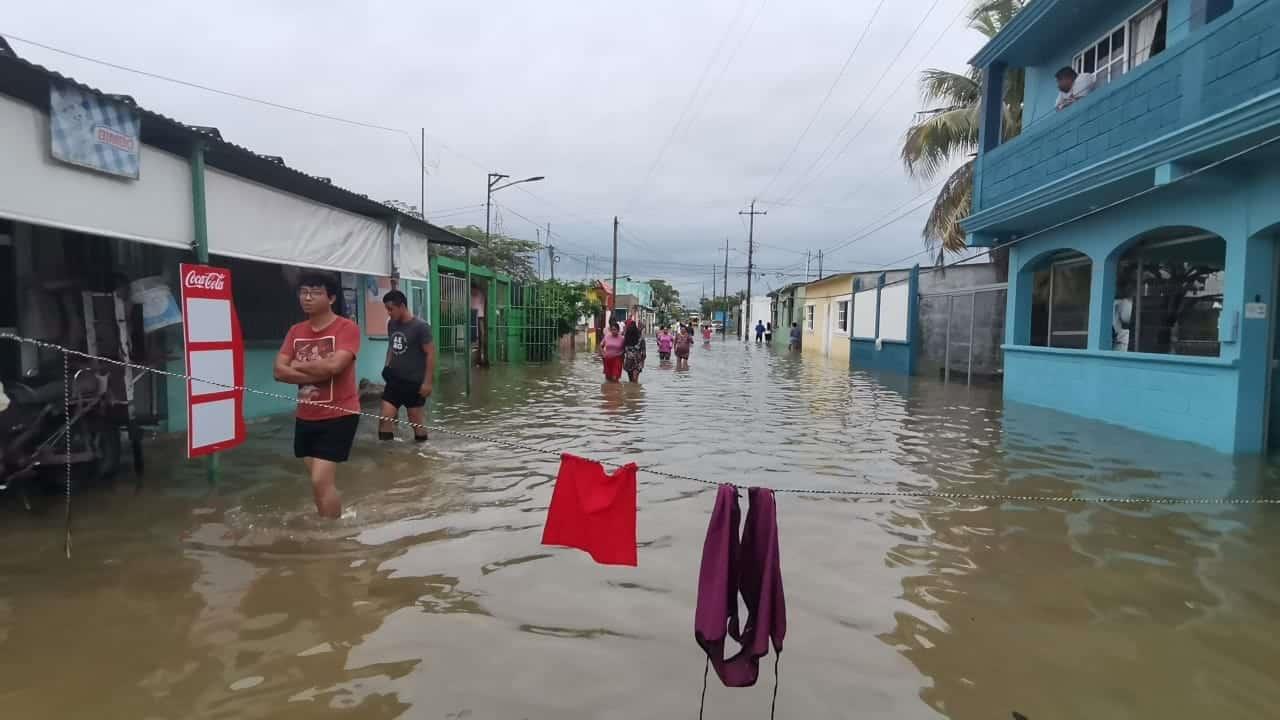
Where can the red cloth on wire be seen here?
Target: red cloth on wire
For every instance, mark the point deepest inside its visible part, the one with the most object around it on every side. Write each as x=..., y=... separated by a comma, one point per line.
x=594, y=511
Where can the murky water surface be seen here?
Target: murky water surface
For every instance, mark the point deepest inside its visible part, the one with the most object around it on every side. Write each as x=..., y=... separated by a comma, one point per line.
x=436, y=600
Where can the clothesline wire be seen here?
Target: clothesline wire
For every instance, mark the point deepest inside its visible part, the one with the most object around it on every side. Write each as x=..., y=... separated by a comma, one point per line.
x=853, y=493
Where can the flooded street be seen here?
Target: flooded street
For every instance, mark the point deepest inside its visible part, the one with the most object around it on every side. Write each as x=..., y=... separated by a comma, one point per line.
x=437, y=601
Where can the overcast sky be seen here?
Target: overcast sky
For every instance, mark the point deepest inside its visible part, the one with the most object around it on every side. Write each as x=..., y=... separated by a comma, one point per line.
x=671, y=114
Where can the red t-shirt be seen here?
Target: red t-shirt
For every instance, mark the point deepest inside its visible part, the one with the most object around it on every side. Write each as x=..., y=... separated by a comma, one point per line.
x=338, y=393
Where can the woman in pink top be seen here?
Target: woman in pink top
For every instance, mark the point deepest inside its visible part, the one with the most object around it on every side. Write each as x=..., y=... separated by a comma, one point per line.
x=611, y=350
x=665, y=343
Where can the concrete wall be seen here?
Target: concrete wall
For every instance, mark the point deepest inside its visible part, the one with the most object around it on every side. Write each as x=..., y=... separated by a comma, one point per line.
x=1184, y=398
x=983, y=312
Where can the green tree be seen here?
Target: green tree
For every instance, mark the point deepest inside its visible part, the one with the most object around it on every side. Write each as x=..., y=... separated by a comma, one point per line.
x=666, y=301
x=947, y=130
x=569, y=302
x=712, y=305
x=500, y=253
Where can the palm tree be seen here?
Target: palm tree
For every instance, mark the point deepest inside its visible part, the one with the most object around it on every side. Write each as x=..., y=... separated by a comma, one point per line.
x=948, y=130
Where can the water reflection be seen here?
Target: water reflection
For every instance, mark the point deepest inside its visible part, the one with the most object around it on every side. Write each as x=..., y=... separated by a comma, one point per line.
x=438, y=601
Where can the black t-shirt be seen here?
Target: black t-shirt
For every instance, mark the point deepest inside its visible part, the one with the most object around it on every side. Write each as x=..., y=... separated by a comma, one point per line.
x=407, y=360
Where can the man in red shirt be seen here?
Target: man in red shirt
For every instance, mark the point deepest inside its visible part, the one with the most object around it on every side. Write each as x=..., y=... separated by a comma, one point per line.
x=319, y=356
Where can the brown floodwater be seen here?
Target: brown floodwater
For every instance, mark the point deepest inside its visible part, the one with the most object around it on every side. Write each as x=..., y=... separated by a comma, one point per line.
x=437, y=601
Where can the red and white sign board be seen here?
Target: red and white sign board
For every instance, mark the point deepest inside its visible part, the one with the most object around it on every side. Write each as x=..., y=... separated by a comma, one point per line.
x=214, y=353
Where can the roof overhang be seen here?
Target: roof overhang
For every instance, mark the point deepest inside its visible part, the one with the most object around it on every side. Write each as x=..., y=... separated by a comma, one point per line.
x=29, y=82
x=1037, y=31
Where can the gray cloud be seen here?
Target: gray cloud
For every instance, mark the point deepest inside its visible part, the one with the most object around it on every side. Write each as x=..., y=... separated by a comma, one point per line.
x=584, y=93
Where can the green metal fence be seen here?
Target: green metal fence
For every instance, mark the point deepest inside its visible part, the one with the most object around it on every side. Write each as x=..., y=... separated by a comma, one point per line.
x=527, y=329
x=451, y=334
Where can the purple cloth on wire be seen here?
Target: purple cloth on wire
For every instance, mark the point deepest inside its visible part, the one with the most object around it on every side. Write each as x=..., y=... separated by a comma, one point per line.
x=751, y=567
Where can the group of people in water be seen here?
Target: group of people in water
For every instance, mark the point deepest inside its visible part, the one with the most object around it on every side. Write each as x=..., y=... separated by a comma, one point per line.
x=625, y=350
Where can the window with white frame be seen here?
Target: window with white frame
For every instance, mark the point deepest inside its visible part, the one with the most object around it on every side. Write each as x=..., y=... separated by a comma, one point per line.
x=842, y=316
x=1125, y=47
x=808, y=317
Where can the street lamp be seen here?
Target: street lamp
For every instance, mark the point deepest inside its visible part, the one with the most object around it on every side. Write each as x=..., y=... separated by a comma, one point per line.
x=495, y=184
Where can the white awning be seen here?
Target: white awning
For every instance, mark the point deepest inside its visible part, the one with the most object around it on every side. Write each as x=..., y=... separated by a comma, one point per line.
x=256, y=222
x=36, y=189
x=414, y=259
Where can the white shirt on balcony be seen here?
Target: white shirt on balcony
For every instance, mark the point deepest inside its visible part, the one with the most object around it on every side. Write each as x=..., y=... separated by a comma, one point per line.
x=1082, y=86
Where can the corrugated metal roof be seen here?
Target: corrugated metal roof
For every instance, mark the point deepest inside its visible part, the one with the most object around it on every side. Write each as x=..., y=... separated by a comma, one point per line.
x=29, y=82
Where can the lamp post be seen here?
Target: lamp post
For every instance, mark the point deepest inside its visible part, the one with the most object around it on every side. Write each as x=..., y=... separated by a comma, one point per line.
x=495, y=184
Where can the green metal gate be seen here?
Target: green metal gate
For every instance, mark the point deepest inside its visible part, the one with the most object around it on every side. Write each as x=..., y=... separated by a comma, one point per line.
x=527, y=331
x=451, y=335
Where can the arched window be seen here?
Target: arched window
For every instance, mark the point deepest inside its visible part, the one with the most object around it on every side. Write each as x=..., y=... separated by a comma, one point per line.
x=1169, y=293
x=1060, y=301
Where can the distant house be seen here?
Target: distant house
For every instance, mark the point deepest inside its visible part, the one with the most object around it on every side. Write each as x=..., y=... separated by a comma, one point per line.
x=827, y=316
x=787, y=308
x=1142, y=218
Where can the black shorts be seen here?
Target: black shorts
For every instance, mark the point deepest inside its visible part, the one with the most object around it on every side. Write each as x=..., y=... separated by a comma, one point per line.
x=402, y=394
x=325, y=439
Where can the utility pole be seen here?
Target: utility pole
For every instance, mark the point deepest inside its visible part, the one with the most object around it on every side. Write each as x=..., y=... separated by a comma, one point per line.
x=422, y=180
x=819, y=264
x=724, y=325
x=751, y=246
x=586, y=269
x=713, y=295
x=806, y=266
x=551, y=252
x=614, y=287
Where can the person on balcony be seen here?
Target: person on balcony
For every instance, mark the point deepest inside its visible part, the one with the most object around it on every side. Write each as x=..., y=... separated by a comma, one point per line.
x=1072, y=86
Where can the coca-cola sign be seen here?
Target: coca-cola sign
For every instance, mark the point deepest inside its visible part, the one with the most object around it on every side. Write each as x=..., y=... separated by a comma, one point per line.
x=208, y=280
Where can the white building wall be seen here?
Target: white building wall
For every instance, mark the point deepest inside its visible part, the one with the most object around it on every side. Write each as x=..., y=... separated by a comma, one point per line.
x=761, y=307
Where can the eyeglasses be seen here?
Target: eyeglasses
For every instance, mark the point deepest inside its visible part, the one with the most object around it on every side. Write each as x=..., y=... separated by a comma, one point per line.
x=309, y=293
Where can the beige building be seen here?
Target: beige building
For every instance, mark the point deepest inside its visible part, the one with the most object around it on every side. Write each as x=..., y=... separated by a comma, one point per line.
x=827, y=317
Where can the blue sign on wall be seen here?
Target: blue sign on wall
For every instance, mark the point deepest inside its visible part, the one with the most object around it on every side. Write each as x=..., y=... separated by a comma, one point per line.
x=93, y=132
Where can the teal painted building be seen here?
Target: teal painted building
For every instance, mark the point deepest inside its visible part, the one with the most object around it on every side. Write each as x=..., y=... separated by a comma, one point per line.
x=1142, y=219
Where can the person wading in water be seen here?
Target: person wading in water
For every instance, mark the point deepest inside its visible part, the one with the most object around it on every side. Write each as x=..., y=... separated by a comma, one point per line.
x=684, y=342
x=633, y=352
x=319, y=355
x=611, y=352
x=410, y=367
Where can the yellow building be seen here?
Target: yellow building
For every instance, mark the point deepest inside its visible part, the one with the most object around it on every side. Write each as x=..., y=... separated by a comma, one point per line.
x=827, y=317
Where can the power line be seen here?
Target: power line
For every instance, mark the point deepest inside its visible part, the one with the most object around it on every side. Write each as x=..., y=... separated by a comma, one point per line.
x=791, y=195
x=867, y=230
x=920, y=201
x=267, y=103
x=779, y=247
x=724, y=69
x=697, y=88
x=822, y=105
x=888, y=98
x=207, y=88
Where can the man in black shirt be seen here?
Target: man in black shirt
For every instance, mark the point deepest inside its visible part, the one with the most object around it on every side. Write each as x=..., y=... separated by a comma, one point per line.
x=410, y=368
